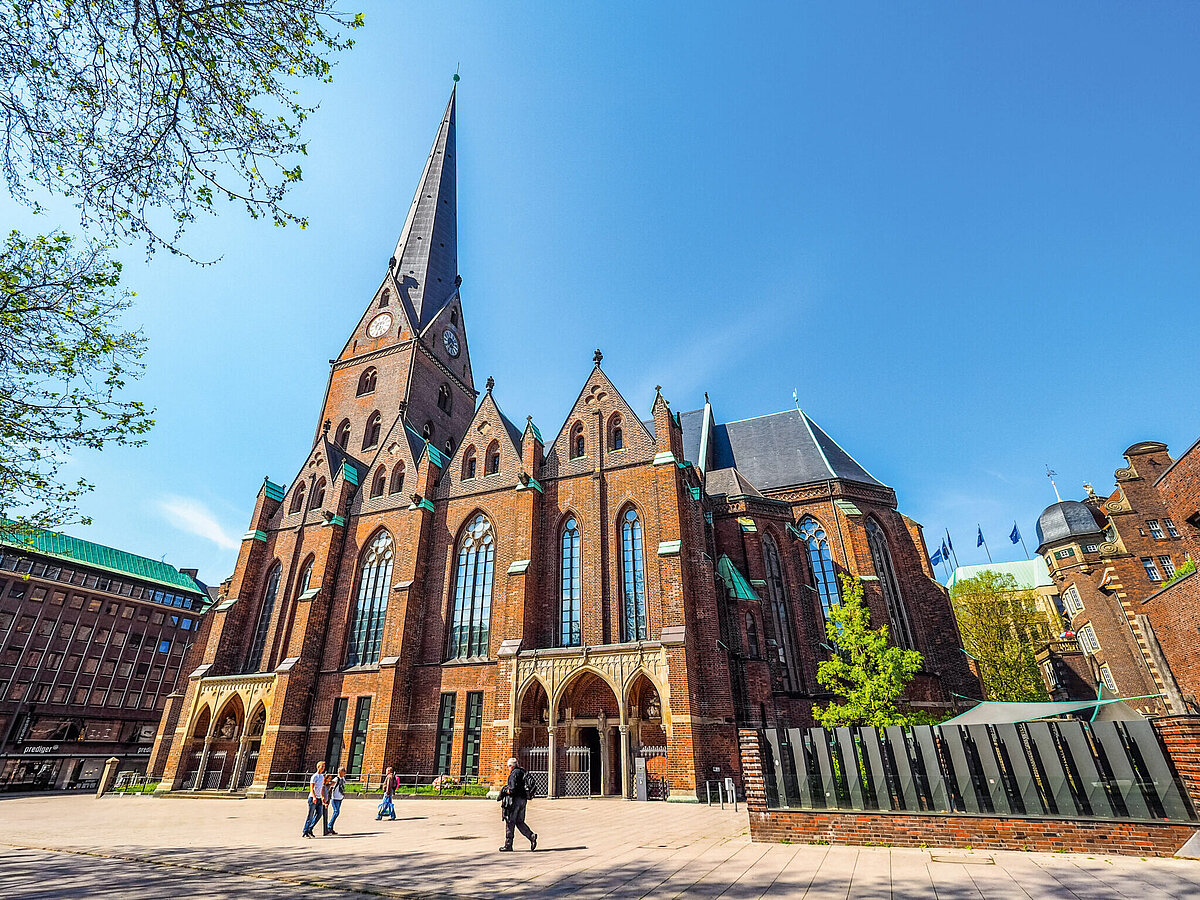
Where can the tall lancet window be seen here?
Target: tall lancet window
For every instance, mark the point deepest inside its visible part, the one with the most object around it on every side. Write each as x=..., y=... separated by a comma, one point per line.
x=813, y=534
x=882, y=557
x=473, y=591
x=569, y=635
x=258, y=646
x=375, y=580
x=633, y=577
x=780, y=612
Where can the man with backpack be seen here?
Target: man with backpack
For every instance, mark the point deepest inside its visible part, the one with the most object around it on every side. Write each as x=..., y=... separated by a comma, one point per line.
x=513, y=798
x=389, y=791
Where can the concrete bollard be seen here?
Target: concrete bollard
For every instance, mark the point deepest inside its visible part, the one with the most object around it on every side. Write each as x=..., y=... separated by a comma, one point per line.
x=108, y=776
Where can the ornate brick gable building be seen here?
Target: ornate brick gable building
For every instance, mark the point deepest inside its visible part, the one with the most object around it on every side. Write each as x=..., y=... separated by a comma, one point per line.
x=440, y=588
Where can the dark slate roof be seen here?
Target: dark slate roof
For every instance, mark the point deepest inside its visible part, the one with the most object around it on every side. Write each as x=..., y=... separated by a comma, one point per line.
x=776, y=451
x=1065, y=519
x=427, y=252
x=514, y=433
x=416, y=443
x=692, y=423
x=728, y=482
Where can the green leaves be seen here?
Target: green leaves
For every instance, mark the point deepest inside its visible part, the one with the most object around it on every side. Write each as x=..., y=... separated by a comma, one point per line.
x=865, y=670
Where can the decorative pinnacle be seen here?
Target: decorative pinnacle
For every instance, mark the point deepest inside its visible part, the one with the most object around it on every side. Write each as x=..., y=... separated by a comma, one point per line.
x=491, y=383
x=597, y=356
x=658, y=389
x=325, y=427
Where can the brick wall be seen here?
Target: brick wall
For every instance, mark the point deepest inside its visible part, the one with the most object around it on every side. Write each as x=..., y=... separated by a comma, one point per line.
x=1042, y=834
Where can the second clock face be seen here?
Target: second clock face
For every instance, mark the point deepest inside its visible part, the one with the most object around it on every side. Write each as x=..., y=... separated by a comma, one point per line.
x=379, y=325
x=450, y=340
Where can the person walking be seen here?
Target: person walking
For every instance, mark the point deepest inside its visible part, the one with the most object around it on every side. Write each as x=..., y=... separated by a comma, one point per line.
x=389, y=791
x=513, y=800
x=316, y=794
x=337, y=793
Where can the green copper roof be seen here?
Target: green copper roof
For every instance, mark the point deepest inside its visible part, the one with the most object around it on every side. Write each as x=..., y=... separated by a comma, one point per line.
x=1027, y=573
x=274, y=491
x=98, y=556
x=735, y=580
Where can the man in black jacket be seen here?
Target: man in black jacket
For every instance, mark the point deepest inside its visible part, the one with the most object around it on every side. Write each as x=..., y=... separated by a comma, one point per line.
x=513, y=799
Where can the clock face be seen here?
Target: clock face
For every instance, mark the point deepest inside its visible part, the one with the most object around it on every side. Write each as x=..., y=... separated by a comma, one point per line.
x=450, y=339
x=379, y=325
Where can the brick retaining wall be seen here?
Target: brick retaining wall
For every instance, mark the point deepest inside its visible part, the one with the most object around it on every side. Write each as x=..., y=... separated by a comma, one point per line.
x=1046, y=834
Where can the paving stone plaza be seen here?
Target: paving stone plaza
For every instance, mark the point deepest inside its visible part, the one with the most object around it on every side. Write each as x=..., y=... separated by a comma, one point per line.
x=74, y=846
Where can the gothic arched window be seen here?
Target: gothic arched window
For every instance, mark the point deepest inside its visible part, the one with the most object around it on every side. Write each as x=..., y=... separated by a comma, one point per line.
x=318, y=494
x=473, y=591
x=375, y=580
x=258, y=646
x=385, y=298
x=780, y=615
x=751, y=636
x=427, y=431
x=633, y=578
x=813, y=534
x=366, y=381
x=882, y=557
x=454, y=317
x=616, y=433
x=444, y=400
x=378, y=482
x=305, y=577
x=578, y=445
x=298, y=499
x=470, y=464
x=374, y=426
x=493, y=458
x=342, y=437
x=568, y=634
x=397, y=484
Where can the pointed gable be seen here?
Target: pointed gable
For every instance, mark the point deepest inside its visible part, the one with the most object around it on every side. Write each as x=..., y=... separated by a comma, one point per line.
x=490, y=431
x=593, y=414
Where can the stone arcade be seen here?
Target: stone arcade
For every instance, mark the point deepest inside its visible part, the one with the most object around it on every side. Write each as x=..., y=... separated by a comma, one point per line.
x=439, y=588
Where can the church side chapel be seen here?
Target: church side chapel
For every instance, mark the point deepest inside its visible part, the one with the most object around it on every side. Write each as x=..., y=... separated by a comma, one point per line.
x=440, y=588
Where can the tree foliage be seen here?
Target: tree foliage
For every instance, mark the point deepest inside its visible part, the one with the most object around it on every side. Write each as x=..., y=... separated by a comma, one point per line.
x=1001, y=625
x=132, y=107
x=867, y=671
x=64, y=359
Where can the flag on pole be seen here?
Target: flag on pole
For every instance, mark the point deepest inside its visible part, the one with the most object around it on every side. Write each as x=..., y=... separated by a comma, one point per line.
x=945, y=552
x=1015, y=537
x=948, y=541
x=936, y=558
x=979, y=541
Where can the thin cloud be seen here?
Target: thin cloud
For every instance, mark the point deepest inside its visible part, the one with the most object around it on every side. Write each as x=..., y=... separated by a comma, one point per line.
x=190, y=515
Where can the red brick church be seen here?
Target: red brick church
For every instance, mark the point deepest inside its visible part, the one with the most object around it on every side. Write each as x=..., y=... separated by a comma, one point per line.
x=440, y=587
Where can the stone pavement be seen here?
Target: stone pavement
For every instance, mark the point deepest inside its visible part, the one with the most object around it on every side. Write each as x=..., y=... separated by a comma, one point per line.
x=69, y=846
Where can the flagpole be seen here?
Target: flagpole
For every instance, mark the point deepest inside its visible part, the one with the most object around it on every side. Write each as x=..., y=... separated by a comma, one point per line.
x=950, y=544
x=1022, y=537
x=983, y=541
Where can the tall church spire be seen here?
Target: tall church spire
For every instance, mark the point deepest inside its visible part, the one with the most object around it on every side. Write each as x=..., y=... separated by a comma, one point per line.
x=426, y=258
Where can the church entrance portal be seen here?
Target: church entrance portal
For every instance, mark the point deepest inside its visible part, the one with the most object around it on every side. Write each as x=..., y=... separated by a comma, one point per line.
x=589, y=737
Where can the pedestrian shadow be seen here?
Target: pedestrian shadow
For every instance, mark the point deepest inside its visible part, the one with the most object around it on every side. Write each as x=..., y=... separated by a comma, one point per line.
x=557, y=849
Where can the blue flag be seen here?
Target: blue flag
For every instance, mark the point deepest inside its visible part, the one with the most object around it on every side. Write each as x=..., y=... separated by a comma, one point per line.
x=948, y=541
x=979, y=542
x=936, y=558
x=945, y=552
x=1015, y=537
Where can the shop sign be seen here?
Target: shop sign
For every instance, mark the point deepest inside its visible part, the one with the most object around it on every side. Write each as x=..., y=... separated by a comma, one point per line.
x=40, y=748
x=145, y=750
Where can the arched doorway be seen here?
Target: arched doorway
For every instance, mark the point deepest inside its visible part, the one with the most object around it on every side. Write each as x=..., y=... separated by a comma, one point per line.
x=195, y=750
x=532, y=744
x=249, y=747
x=647, y=738
x=223, y=744
x=588, y=741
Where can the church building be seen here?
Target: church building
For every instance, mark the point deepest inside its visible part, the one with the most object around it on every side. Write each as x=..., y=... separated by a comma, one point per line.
x=440, y=587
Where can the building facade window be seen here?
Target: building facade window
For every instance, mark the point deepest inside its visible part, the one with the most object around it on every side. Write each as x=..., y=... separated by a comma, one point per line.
x=342, y=435
x=569, y=632
x=1087, y=639
x=1106, y=676
x=751, y=636
x=1155, y=529
x=469, y=464
x=1171, y=529
x=472, y=734
x=378, y=482
x=397, y=484
x=633, y=581
x=1168, y=566
x=578, y=445
x=780, y=611
x=813, y=534
x=1066, y=553
x=1151, y=569
x=366, y=381
x=427, y=431
x=493, y=458
x=881, y=555
x=254, y=659
x=318, y=494
x=445, y=400
x=1071, y=601
x=358, y=738
x=374, y=426
x=616, y=433
x=375, y=580
x=471, y=620
x=445, y=733
x=302, y=584
x=298, y=499
x=337, y=730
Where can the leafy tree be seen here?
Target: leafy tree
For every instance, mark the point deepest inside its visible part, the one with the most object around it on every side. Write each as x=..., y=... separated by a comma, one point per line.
x=1001, y=624
x=63, y=361
x=144, y=113
x=867, y=671
x=138, y=107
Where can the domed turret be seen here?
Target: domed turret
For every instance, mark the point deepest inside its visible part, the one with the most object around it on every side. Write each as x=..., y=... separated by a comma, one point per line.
x=1067, y=519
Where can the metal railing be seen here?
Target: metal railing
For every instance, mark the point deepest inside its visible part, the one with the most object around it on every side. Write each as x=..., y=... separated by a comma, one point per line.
x=134, y=784
x=372, y=783
x=1104, y=770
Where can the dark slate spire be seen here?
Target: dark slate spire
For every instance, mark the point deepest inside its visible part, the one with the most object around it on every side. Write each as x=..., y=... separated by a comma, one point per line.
x=426, y=255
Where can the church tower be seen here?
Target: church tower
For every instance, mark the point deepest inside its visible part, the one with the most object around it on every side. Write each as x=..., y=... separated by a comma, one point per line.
x=406, y=362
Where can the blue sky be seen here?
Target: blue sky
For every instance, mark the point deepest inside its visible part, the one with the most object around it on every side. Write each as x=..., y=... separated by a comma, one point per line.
x=965, y=234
